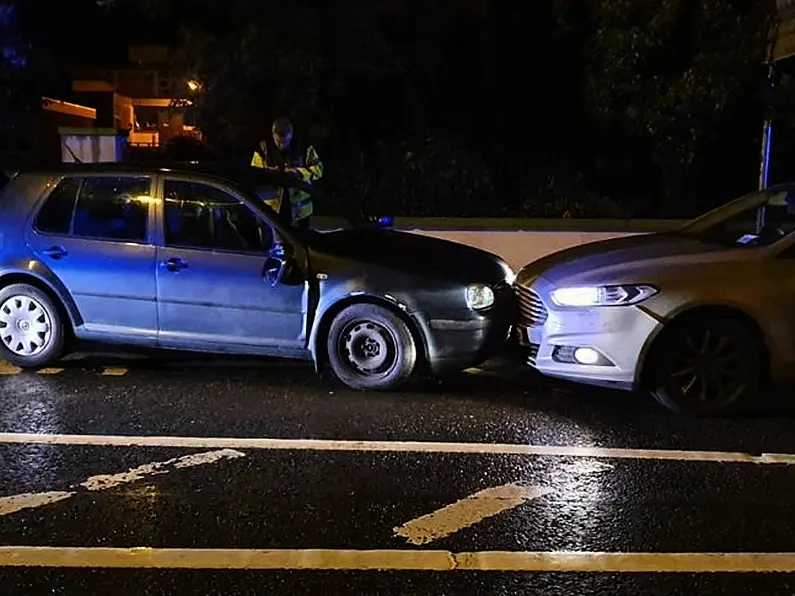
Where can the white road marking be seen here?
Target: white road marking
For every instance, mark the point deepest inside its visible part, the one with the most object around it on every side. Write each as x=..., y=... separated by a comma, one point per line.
x=50, y=371
x=15, y=503
x=113, y=371
x=400, y=560
x=397, y=446
x=31, y=500
x=467, y=512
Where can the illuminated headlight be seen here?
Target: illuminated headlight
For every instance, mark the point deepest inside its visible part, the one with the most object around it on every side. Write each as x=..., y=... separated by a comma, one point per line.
x=479, y=296
x=602, y=295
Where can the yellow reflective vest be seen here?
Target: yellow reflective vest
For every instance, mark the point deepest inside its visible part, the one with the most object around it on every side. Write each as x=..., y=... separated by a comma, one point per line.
x=308, y=167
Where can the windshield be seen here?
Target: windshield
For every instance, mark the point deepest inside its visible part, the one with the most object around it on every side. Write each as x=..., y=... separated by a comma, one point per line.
x=758, y=219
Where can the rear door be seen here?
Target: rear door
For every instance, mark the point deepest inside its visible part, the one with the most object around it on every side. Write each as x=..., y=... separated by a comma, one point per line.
x=92, y=232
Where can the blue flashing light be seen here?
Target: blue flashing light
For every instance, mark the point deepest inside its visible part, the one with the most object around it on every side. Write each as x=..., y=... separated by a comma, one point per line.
x=385, y=221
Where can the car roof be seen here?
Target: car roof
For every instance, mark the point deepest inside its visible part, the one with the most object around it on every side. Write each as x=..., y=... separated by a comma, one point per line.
x=230, y=172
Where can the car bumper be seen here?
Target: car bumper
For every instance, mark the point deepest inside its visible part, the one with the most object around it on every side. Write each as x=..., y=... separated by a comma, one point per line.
x=453, y=344
x=618, y=335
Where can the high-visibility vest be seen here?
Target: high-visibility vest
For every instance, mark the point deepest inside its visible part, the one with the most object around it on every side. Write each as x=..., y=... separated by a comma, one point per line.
x=307, y=165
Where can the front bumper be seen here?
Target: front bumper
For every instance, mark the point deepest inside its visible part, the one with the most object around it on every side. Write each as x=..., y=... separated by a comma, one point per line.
x=551, y=335
x=453, y=344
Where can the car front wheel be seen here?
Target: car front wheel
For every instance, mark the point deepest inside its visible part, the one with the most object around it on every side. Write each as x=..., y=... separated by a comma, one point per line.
x=705, y=366
x=370, y=347
x=31, y=330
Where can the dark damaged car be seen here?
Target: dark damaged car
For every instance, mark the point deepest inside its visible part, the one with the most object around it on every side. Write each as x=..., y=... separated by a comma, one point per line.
x=189, y=257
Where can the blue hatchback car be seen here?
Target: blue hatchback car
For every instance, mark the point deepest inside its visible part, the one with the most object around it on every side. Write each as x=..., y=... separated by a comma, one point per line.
x=189, y=257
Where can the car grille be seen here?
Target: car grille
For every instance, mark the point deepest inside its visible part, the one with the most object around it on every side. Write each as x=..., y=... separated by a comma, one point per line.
x=532, y=354
x=532, y=312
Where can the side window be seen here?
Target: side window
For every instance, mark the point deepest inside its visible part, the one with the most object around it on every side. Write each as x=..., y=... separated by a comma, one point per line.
x=55, y=216
x=113, y=208
x=201, y=216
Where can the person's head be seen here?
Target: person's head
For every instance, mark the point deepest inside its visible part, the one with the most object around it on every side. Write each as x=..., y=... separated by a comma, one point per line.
x=282, y=131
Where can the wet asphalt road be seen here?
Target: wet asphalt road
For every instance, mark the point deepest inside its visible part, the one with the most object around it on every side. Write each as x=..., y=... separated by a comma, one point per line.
x=251, y=497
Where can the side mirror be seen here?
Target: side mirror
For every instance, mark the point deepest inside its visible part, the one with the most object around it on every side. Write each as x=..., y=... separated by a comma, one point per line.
x=279, y=265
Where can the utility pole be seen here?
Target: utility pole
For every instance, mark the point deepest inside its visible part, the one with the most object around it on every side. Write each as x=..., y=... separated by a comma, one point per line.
x=767, y=127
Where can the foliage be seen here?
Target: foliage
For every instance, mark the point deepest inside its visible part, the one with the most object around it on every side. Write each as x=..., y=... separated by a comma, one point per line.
x=668, y=75
x=18, y=94
x=460, y=108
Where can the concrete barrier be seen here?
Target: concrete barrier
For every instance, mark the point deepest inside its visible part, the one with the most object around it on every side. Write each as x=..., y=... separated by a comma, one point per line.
x=521, y=241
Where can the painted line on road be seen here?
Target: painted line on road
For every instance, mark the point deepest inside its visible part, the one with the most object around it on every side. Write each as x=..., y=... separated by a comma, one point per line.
x=396, y=446
x=14, y=503
x=467, y=512
x=394, y=560
x=49, y=371
x=9, y=369
x=112, y=371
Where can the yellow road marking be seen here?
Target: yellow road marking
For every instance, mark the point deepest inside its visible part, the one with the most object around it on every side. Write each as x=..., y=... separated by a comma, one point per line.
x=8, y=369
x=401, y=560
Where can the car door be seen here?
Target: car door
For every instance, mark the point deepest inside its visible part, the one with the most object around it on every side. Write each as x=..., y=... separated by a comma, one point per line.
x=212, y=287
x=92, y=233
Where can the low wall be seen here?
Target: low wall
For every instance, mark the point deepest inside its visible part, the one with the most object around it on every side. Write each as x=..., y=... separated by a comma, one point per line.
x=520, y=248
x=521, y=241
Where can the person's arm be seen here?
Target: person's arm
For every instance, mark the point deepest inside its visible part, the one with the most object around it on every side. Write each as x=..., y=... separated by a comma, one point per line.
x=313, y=170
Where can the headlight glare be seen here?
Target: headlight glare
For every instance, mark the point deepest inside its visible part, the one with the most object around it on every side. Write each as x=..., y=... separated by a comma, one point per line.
x=479, y=296
x=585, y=296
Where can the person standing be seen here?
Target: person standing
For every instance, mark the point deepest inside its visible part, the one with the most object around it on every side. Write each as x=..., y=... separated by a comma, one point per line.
x=282, y=153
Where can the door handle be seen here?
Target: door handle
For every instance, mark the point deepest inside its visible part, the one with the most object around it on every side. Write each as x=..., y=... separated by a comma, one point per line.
x=175, y=264
x=55, y=252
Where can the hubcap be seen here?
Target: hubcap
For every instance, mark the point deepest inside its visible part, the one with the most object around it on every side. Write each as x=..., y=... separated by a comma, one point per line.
x=368, y=347
x=710, y=366
x=25, y=326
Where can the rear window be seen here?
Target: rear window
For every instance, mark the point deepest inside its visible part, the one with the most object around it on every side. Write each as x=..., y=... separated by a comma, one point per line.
x=101, y=207
x=55, y=216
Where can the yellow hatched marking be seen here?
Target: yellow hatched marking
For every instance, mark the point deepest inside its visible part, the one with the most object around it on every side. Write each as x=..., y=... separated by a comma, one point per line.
x=8, y=369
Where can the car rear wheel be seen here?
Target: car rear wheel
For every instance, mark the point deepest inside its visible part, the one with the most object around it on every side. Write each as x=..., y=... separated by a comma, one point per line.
x=31, y=330
x=705, y=366
x=370, y=347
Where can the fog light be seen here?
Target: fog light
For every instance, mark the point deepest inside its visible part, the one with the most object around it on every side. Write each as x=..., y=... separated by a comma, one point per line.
x=586, y=356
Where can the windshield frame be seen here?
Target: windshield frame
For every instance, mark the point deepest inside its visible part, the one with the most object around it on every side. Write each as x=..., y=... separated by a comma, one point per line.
x=700, y=227
x=756, y=198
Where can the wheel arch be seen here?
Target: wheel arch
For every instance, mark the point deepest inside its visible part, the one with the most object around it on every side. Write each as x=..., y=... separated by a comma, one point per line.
x=699, y=312
x=65, y=306
x=319, y=348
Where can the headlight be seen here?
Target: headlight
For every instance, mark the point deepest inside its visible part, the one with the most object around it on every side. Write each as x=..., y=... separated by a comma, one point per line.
x=479, y=296
x=602, y=295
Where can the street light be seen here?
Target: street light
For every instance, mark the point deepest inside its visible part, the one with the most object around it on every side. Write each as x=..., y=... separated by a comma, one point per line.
x=194, y=85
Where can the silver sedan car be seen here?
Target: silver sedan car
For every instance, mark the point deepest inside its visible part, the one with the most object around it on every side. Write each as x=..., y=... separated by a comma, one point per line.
x=703, y=317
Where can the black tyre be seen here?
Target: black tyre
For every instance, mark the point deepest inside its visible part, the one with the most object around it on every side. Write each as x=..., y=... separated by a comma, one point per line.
x=706, y=366
x=370, y=347
x=31, y=330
